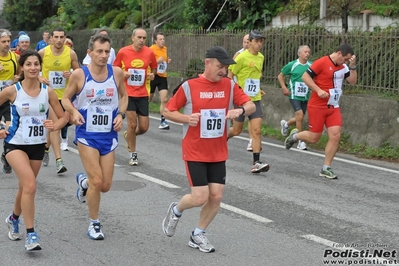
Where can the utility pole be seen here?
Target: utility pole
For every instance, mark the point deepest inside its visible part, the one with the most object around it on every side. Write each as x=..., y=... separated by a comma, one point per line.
x=323, y=7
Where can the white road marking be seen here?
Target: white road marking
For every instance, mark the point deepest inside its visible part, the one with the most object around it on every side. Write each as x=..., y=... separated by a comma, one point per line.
x=344, y=247
x=249, y=215
x=154, y=180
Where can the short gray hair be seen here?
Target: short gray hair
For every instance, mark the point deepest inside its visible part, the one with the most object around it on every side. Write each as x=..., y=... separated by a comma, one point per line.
x=301, y=47
x=4, y=32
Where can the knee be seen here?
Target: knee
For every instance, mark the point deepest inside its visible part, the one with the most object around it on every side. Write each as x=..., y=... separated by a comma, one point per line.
x=256, y=131
x=235, y=131
x=164, y=100
x=215, y=198
x=132, y=125
x=96, y=183
x=200, y=199
x=299, y=116
x=334, y=136
x=30, y=188
x=106, y=186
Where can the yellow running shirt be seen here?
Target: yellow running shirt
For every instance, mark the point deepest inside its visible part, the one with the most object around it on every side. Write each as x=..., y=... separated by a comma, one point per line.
x=53, y=68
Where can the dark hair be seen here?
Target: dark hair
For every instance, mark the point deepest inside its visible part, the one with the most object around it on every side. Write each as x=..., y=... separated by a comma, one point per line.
x=69, y=37
x=57, y=29
x=24, y=56
x=156, y=35
x=98, y=37
x=345, y=49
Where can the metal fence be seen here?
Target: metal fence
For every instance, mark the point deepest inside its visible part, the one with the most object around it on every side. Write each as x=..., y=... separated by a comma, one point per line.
x=376, y=52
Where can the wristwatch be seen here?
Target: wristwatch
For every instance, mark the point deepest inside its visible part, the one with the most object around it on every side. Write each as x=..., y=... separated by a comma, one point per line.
x=352, y=68
x=122, y=114
x=243, y=110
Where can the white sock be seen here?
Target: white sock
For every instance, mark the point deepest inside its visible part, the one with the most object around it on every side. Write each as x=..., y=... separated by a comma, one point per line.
x=198, y=230
x=83, y=184
x=286, y=125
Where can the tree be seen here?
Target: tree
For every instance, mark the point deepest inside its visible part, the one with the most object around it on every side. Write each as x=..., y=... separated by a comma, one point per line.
x=26, y=14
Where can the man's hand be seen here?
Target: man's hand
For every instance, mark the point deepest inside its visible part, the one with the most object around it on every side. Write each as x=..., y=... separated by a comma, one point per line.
x=194, y=119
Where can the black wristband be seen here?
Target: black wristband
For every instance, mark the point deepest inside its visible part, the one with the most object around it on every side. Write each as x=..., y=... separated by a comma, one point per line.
x=243, y=110
x=352, y=68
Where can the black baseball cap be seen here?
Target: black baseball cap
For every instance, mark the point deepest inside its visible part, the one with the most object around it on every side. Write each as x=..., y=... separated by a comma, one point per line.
x=220, y=54
x=255, y=34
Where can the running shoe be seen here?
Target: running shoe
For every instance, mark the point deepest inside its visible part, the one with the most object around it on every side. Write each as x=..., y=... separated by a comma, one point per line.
x=249, y=146
x=64, y=144
x=289, y=141
x=60, y=166
x=301, y=145
x=164, y=125
x=260, y=167
x=201, y=242
x=13, y=226
x=170, y=222
x=6, y=166
x=46, y=157
x=328, y=173
x=134, y=160
x=81, y=192
x=94, y=231
x=32, y=242
x=284, y=130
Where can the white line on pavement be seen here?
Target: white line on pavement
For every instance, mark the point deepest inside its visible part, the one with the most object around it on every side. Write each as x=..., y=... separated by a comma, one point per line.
x=154, y=180
x=223, y=205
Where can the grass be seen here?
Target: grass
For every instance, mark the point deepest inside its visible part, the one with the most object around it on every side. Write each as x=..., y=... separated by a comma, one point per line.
x=386, y=152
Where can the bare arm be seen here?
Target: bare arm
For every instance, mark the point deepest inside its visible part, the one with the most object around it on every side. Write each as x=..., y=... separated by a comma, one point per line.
x=281, y=80
x=123, y=98
x=176, y=116
x=61, y=115
x=352, y=79
x=74, y=60
x=75, y=82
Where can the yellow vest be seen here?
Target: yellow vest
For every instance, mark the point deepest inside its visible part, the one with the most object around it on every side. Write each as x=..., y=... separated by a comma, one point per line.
x=10, y=66
x=53, y=66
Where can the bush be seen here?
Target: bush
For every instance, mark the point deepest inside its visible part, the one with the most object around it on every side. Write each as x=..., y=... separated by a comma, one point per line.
x=120, y=20
x=109, y=17
x=194, y=67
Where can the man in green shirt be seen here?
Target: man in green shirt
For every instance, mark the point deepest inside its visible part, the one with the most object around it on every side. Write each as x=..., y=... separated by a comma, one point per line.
x=248, y=71
x=297, y=91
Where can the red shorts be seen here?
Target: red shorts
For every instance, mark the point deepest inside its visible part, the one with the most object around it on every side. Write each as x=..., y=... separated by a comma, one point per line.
x=318, y=117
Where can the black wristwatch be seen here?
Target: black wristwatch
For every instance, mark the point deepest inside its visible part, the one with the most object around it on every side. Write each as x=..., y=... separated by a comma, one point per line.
x=2, y=126
x=122, y=114
x=243, y=110
x=352, y=68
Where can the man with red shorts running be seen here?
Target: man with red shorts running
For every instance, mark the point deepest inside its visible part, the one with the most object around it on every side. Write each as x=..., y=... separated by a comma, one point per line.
x=325, y=78
x=134, y=60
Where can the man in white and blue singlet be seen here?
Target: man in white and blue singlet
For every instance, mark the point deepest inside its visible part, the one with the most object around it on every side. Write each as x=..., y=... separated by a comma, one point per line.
x=98, y=110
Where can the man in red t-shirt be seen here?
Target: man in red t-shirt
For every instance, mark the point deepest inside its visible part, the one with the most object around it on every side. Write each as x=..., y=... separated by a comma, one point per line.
x=134, y=60
x=325, y=77
x=208, y=101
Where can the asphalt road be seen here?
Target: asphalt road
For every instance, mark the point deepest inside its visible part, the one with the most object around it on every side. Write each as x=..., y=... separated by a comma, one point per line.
x=287, y=216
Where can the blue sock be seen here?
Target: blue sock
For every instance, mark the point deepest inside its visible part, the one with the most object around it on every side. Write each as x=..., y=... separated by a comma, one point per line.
x=198, y=231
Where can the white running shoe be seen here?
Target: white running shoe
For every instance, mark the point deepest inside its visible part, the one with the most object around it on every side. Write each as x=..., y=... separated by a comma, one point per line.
x=201, y=242
x=301, y=145
x=94, y=231
x=284, y=130
x=64, y=144
x=249, y=146
x=170, y=222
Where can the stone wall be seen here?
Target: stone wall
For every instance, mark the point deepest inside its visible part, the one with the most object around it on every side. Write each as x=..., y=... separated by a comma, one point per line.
x=367, y=119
